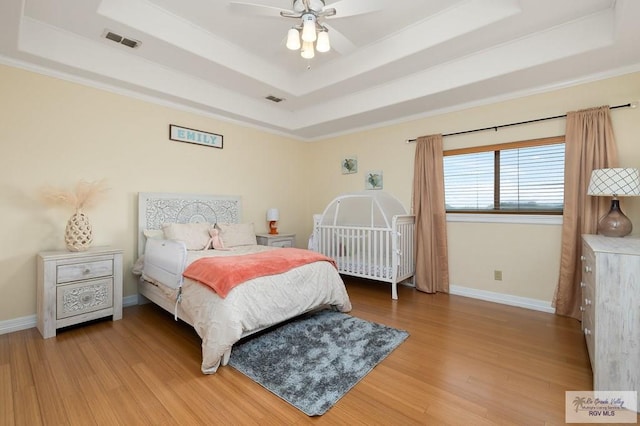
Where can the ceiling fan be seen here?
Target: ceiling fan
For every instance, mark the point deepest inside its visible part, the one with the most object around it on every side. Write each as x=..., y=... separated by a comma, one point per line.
x=311, y=27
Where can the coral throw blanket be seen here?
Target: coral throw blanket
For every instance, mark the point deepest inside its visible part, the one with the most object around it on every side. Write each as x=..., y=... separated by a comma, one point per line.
x=223, y=273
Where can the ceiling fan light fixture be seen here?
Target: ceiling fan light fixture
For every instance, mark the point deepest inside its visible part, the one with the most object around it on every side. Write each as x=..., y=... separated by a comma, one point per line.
x=309, y=27
x=293, y=39
x=307, y=51
x=323, y=45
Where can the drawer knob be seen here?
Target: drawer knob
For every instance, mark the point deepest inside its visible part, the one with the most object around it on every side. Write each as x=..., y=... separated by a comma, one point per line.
x=587, y=269
x=582, y=284
x=582, y=309
x=587, y=302
x=587, y=332
x=582, y=258
x=86, y=271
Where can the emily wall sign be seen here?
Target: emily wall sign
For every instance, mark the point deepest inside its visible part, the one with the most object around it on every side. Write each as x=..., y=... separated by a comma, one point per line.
x=184, y=134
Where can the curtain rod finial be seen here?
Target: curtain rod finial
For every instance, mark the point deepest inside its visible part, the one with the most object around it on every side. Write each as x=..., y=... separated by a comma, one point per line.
x=634, y=104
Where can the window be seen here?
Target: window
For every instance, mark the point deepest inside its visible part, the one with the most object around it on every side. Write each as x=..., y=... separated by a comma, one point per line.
x=518, y=177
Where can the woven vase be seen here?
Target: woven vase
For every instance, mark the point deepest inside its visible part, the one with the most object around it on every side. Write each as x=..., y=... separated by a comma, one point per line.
x=78, y=235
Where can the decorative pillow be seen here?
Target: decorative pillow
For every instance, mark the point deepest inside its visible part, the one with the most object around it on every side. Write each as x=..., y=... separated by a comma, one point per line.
x=194, y=235
x=154, y=233
x=237, y=234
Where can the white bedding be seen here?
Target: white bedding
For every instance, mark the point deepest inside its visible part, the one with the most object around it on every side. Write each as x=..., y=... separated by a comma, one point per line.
x=348, y=265
x=255, y=304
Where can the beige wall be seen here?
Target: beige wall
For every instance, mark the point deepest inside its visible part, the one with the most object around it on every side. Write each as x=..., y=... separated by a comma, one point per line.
x=54, y=132
x=528, y=255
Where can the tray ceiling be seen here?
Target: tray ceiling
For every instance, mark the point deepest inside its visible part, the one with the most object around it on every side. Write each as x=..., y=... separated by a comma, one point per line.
x=413, y=58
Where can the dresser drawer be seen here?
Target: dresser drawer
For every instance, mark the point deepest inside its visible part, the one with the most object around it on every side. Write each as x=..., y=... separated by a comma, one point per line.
x=588, y=296
x=84, y=271
x=588, y=266
x=589, y=335
x=83, y=297
x=587, y=305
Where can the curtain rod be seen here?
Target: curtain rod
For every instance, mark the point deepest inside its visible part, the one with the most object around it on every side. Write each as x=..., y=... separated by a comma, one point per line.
x=629, y=105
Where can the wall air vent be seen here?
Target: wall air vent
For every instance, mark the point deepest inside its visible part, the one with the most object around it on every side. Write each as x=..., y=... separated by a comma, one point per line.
x=274, y=98
x=129, y=42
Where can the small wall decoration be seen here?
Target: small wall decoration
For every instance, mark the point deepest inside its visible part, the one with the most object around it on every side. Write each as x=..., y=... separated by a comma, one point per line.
x=373, y=180
x=349, y=165
x=184, y=134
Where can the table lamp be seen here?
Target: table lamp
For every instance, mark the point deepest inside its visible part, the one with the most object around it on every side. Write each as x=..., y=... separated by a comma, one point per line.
x=272, y=217
x=616, y=182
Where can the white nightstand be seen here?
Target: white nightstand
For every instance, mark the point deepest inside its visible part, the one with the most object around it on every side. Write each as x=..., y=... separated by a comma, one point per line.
x=74, y=287
x=277, y=240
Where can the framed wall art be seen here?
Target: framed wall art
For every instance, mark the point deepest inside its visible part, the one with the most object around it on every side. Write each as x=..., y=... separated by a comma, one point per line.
x=349, y=165
x=373, y=179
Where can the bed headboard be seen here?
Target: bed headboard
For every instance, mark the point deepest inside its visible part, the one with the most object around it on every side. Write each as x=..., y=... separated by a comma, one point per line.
x=156, y=208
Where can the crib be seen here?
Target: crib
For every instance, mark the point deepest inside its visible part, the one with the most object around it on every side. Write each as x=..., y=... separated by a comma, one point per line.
x=369, y=235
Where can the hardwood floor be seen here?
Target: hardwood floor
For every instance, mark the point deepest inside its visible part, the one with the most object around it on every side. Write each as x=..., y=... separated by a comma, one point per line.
x=466, y=362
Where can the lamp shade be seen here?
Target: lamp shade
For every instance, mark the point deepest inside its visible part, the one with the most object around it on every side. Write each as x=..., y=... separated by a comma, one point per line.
x=309, y=27
x=614, y=182
x=307, y=50
x=273, y=215
x=323, y=45
x=293, y=39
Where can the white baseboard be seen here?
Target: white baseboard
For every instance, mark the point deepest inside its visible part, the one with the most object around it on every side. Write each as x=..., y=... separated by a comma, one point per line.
x=505, y=299
x=30, y=321
x=130, y=300
x=17, y=324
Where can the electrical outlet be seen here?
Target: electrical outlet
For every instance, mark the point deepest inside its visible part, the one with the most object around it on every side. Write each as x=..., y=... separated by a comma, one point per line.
x=497, y=275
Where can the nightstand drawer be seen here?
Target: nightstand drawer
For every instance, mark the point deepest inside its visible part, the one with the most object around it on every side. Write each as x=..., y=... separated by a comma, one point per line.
x=82, y=297
x=84, y=270
x=276, y=240
x=282, y=243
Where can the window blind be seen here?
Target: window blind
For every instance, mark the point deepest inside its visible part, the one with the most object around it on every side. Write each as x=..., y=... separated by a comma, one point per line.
x=527, y=179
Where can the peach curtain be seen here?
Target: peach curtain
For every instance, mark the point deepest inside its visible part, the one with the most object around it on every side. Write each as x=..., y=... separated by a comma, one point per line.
x=589, y=145
x=432, y=262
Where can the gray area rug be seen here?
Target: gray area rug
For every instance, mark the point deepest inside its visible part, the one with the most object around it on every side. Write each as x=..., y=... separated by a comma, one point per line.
x=313, y=361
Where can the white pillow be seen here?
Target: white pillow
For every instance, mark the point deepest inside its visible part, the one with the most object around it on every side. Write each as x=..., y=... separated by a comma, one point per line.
x=237, y=234
x=154, y=233
x=194, y=235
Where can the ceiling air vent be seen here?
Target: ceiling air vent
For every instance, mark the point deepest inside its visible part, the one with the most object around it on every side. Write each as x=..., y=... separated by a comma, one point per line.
x=274, y=98
x=129, y=42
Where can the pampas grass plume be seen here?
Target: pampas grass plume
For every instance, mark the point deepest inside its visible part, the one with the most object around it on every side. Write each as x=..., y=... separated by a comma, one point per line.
x=84, y=196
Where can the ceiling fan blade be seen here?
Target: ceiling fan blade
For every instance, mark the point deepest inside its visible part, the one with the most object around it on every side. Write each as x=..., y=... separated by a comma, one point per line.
x=255, y=9
x=345, y=8
x=339, y=42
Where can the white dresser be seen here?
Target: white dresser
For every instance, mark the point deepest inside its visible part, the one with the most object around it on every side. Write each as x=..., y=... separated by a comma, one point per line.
x=611, y=310
x=74, y=287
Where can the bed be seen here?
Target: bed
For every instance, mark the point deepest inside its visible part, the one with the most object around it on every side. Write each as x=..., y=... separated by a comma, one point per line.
x=252, y=306
x=369, y=235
